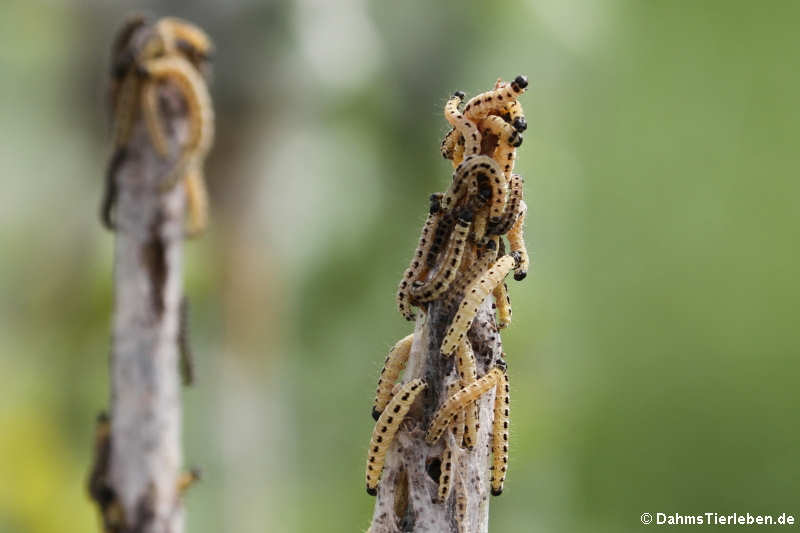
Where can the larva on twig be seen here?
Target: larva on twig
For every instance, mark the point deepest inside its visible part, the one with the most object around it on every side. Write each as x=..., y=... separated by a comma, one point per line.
x=196, y=202
x=470, y=393
x=198, y=101
x=467, y=370
x=486, y=103
x=449, y=143
x=502, y=303
x=394, y=364
x=516, y=241
x=152, y=118
x=439, y=282
x=458, y=420
x=182, y=36
x=508, y=141
x=461, y=509
x=516, y=116
x=468, y=130
x=467, y=179
x=417, y=262
x=476, y=270
x=512, y=207
x=385, y=429
x=475, y=293
x=500, y=435
x=446, y=475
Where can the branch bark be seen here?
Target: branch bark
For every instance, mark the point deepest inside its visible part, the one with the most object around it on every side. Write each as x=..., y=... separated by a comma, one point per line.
x=137, y=469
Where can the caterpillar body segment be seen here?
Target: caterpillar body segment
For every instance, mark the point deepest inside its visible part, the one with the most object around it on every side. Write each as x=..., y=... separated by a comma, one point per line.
x=446, y=475
x=182, y=36
x=441, y=235
x=512, y=207
x=197, y=202
x=500, y=435
x=413, y=271
x=394, y=364
x=152, y=118
x=459, y=421
x=516, y=116
x=474, y=294
x=125, y=103
x=468, y=130
x=502, y=303
x=439, y=282
x=461, y=509
x=385, y=429
x=444, y=416
x=516, y=241
x=505, y=132
x=496, y=100
x=449, y=143
x=467, y=370
x=198, y=101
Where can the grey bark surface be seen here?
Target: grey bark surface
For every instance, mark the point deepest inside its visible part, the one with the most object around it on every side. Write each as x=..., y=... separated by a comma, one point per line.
x=145, y=457
x=407, y=492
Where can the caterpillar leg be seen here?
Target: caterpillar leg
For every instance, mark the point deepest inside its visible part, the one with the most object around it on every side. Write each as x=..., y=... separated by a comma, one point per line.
x=468, y=130
x=467, y=371
x=517, y=243
x=385, y=429
x=500, y=435
x=484, y=104
x=502, y=302
x=444, y=416
x=197, y=201
x=474, y=294
x=394, y=364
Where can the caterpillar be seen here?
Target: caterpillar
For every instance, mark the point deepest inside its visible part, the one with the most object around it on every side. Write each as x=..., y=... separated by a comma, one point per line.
x=152, y=118
x=484, y=104
x=478, y=267
x=470, y=393
x=500, y=435
x=475, y=293
x=438, y=283
x=394, y=364
x=516, y=116
x=461, y=509
x=183, y=36
x=198, y=101
x=468, y=130
x=481, y=178
x=197, y=202
x=503, y=305
x=412, y=272
x=449, y=143
x=508, y=141
x=458, y=419
x=512, y=207
x=446, y=475
x=444, y=225
x=465, y=365
x=517, y=243
x=187, y=479
x=385, y=429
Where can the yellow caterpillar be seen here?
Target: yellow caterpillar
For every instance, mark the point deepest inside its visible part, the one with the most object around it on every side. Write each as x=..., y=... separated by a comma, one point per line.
x=446, y=475
x=484, y=104
x=475, y=293
x=517, y=243
x=516, y=116
x=512, y=207
x=470, y=393
x=385, y=429
x=415, y=268
x=502, y=303
x=476, y=270
x=467, y=370
x=468, y=130
x=467, y=179
x=500, y=435
x=458, y=419
x=439, y=282
x=394, y=364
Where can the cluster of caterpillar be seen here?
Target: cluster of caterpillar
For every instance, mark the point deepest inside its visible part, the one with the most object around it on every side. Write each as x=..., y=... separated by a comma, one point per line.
x=460, y=260
x=146, y=55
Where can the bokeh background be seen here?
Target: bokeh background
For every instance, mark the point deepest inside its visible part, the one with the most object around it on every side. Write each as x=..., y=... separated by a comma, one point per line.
x=654, y=351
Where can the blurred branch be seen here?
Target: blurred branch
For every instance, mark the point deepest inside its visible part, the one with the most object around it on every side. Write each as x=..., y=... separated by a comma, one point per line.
x=136, y=479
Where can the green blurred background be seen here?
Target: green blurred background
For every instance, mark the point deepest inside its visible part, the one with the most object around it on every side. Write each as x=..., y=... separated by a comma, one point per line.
x=654, y=351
